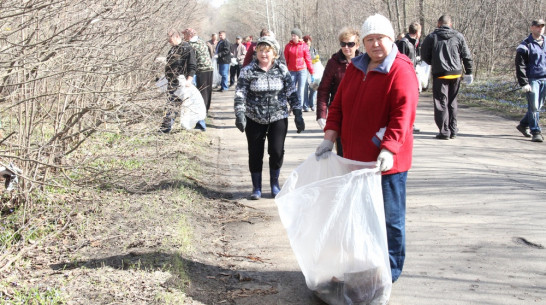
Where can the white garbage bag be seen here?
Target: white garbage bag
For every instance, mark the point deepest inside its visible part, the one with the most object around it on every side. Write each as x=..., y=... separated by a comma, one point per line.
x=161, y=84
x=216, y=77
x=332, y=210
x=422, y=69
x=193, y=107
x=10, y=173
x=318, y=70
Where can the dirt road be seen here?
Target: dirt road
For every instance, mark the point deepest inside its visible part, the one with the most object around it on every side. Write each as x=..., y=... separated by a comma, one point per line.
x=475, y=217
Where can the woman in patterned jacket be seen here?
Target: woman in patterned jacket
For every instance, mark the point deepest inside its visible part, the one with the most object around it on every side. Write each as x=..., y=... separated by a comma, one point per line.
x=263, y=92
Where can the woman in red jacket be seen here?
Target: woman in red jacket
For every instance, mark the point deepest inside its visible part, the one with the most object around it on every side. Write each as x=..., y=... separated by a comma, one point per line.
x=298, y=60
x=373, y=112
x=333, y=73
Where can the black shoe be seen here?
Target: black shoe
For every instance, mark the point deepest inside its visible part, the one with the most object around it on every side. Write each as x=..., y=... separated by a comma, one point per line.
x=163, y=130
x=452, y=136
x=524, y=131
x=416, y=130
x=441, y=137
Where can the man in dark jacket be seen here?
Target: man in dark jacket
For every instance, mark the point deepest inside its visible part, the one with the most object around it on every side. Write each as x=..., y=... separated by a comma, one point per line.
x=531, y=74
x=181, y=62
x=223, y=51
x=444, y=49
x=409, y=46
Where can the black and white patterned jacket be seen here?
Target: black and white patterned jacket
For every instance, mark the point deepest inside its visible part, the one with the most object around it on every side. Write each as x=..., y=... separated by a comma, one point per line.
x=264, y=96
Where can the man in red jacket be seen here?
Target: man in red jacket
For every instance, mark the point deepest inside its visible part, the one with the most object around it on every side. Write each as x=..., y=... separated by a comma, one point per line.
x=373, y=112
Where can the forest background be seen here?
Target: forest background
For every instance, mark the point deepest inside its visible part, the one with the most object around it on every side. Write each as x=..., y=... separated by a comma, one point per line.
x=77, y=77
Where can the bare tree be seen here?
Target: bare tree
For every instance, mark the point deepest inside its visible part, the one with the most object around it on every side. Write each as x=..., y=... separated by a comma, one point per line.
x=73, y=69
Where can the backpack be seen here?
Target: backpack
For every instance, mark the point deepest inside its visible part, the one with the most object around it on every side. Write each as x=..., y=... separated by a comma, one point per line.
x=406, y=47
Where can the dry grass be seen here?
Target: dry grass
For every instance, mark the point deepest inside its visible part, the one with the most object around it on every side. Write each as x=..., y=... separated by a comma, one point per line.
x=118, y=236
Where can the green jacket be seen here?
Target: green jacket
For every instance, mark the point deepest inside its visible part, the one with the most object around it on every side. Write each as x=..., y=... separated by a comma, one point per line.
x=202, y=54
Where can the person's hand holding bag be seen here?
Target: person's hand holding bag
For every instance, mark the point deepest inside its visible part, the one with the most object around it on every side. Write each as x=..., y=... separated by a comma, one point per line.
x=324, y=147
x=298, y=119
x=385, y=160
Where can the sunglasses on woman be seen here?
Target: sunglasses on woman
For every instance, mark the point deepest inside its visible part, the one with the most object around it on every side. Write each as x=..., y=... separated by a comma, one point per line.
x=348, y=44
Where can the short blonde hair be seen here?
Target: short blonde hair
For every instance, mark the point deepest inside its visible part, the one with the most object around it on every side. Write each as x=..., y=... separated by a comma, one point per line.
x=348, y=32
x=266, y=47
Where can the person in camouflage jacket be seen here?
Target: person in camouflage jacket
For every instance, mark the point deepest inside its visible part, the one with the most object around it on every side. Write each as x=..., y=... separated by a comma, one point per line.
x=264, y=91
x=203, y=75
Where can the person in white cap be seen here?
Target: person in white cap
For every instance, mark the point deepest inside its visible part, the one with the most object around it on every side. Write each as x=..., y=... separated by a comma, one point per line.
x=373, y=112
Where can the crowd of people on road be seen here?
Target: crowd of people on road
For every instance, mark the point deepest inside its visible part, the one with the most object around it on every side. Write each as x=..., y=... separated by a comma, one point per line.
x=365, y=103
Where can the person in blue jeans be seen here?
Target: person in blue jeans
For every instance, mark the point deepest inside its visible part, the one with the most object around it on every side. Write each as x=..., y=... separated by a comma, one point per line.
x=531, y=75
x=310, y=97
x=373, y=112
x=298, y=60
x=223, y=51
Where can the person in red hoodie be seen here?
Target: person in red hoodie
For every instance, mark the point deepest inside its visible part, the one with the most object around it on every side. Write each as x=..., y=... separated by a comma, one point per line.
x=373, y=112
x=298, y=60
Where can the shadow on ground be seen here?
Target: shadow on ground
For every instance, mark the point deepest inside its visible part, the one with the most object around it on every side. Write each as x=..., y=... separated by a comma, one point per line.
x=203, y=282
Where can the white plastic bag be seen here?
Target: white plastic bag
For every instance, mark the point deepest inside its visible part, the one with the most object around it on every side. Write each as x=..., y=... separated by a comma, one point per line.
x=193, y=107
x=318, y=70
x=422, y=69
x=162, y=83
x=332, y=210
x=216, y=77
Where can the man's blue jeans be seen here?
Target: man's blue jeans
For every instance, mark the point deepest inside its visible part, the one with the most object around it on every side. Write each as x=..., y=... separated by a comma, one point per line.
x=299, y=78
x=535, y=101
x=310, y=97
x=394, y=201
x=223, y=69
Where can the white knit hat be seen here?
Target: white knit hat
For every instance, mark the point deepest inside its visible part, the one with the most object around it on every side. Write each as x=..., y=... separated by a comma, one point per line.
x=377, y=24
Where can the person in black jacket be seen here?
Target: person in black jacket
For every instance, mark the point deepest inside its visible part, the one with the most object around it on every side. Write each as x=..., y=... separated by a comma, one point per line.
x=409, y=46
x=223, y=51
x=180, y=62
x=263, y=96
x=443, y=50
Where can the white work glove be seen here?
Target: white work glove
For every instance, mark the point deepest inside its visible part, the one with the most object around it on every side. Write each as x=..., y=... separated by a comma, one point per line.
x=385, y=160
x=526, y=88
x=324, y=147
x=322, y=123
x=468, y=79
